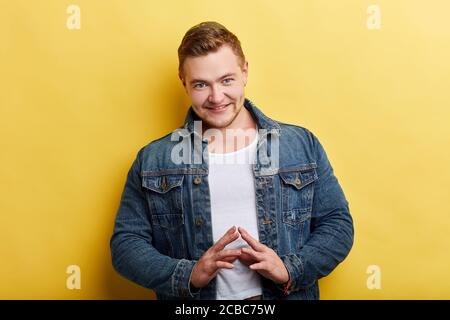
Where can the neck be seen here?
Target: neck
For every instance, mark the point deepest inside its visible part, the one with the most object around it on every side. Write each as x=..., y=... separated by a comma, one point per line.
x=239, y=134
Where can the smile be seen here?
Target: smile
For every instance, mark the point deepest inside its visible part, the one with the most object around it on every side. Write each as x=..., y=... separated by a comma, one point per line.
x=218, y=109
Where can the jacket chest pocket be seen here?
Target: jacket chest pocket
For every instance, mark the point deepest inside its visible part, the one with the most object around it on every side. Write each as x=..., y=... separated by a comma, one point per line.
x=164, y=196
x=297, y=191
x=164, y=193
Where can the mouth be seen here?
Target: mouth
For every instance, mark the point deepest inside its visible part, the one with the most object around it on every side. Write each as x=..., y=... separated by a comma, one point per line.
x=218, y=108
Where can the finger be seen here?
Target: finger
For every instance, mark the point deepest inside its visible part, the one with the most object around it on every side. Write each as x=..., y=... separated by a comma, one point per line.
x=227, y=238
x=246, y=259
x=230, y=259
x=263, y=265
x=225, y=265
x=257, y=246
x=258, y=256
x=245, y=256
x=228, y=253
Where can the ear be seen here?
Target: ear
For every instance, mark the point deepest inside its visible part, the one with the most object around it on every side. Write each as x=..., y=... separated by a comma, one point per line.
x=182, y=79
x=245, y=72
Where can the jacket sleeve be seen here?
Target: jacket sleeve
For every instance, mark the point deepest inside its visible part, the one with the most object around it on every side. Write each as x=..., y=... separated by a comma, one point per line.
x=132, y=253
x=331, y=236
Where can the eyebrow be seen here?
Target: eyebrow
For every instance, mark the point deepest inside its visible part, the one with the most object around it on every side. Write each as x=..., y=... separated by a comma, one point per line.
x=232, y=74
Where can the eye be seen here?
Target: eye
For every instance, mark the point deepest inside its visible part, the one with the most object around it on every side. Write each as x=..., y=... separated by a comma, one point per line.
x=199, y=85
x=228, y=80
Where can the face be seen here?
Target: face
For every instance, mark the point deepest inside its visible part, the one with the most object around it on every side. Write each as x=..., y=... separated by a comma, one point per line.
x=215, y=84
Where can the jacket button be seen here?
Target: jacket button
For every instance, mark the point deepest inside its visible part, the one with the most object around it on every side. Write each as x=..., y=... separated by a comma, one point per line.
x=297, y=181
x=199, y=222
x=163, y=183
x=197, y=180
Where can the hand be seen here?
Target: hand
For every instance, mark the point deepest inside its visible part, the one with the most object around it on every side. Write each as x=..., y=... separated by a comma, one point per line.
x=214, y=259
x=263, y=259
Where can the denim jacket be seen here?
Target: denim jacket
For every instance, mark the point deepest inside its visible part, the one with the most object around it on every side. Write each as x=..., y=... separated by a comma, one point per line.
x=163, y=223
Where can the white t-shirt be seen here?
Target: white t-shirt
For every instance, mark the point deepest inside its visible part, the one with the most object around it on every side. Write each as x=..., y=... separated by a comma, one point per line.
x=233, y=202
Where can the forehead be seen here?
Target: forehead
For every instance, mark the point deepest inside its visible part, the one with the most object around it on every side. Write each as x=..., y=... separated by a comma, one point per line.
x=212, y=65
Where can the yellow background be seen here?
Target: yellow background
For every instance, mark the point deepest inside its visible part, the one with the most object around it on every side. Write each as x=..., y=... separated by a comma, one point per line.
x=76, y=106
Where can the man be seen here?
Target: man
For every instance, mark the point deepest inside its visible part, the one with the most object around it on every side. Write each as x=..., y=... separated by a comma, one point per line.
x=204, y=217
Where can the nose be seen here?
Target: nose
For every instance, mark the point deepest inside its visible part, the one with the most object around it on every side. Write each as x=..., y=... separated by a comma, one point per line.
x=216, y=95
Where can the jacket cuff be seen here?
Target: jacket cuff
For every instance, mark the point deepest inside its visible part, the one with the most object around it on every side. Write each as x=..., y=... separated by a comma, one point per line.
x=294, y=267
x=182, y=278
